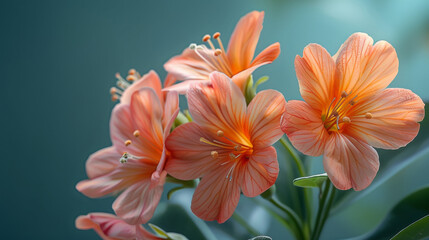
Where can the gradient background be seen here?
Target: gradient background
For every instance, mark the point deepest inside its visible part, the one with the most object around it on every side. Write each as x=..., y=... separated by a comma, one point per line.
x=58, y=60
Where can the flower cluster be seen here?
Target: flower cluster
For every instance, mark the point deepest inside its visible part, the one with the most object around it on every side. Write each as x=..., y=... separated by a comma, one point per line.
x=227, y=144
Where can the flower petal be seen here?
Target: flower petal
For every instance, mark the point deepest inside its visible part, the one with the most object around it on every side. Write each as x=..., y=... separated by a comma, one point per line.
x=183, y=87
x=170, y=107
x=150, y=80
x=350, y=163
x=242, y=44
x=216, y=196
x=189, y=157
x=189, y=65
x=365, y=69
x=102, y=162
x=110, y=227
x=315, y=72
x=268, y=55
x=260, y=172
x=169, y=80
x=304, y=128
x=264, y=114
x=395, y=116
x=137, y=203
x=220, y=106
x=120, y=178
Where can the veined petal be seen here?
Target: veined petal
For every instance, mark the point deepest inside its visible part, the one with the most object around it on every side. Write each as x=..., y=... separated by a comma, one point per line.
x=364, y=69
x=150, y=80
x=123, y=176
x=169, y=80
x=220, y=106
x=183, y=87
x=264, y=113
x=137, y=203
x=189, y=66
x=268, y=55
x=395, y=115
x=315, y=72
x=170, y=107
x=304, y=128
x=102, y=162
x=216, y=196
x=260, y=172
x=241, y=47
x=122, y=128
x=350, y=163
x=110, y=227
x=189, y=157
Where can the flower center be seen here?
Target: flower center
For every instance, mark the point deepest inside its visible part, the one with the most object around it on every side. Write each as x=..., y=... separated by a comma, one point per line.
x=336, y=115
x=122, y=84
x=228, y=150
x=215, y=57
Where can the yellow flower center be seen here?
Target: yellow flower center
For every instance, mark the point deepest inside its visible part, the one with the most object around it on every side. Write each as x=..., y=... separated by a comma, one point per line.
x=228, y=150
x=336, y=115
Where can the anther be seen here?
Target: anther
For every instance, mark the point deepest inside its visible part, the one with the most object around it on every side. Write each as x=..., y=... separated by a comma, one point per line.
x=115, y=98
x=113, y=90
x=343, y=94
x=127, y=142
x=346, y=119
x=232, y=156
x=206, y=38
x=335, y=113
x=220, y=133
x=216, y=35
x=132, y=71
x=217, y=52
x=352, y=102
x=237, y=148
x=136, y=133
x=368, y=115
x=214, y=154
x=193, y=46
x=131, y=78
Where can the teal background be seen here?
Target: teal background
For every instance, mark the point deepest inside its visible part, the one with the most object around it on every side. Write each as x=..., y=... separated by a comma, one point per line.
x=58, y=60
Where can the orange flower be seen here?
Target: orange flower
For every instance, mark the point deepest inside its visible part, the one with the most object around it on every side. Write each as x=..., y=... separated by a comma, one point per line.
x=347, y=110
x=228, y=145
x=197, y=62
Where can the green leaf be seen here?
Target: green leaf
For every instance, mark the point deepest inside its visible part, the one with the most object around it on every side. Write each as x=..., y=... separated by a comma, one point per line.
x=158, y=230
x=173, y=190
x=417, y=230
x=260, y=81
x=408, y=210
x=314, y=181
x=391, y=163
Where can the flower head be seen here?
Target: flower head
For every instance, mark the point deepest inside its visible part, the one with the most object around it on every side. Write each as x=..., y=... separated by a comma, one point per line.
x=135, y=162
x=348, y=110
x=198, y=61
x=110, y=227
x=228, y=145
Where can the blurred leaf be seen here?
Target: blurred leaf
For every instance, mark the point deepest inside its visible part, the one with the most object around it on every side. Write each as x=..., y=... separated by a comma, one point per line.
x=161, y=233
x=176, y=219
x=314, y=181
x=260, y=81
x=417, y=230
x=176, y=236
x=408, y=210
x=173, y=190
x=261, y=238
x=391, y=162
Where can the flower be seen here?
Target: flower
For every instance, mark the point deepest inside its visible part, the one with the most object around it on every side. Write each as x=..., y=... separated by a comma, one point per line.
x=348, y=110
x=110, y=227
x=135, y=162
x=228, y=145
x=197, y=62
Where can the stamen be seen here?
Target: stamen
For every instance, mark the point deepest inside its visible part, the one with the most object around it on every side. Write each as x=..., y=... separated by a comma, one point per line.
x=131, y=78
x=132, y=71
x=343, y=94
x=216, y=35
x=113, y=90
x=115, y=98
x=206, y=38
x=346, y=119
x=136, y=133
x=237, y=148
x=338, y=126
x=124, y=158
x=127, y=142
x=192, y=46
x=220, y=133
x=368, y=115
x=217, y=52
x=214, y=154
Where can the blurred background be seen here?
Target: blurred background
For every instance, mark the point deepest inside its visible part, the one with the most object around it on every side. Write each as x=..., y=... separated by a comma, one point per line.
x=58, y=61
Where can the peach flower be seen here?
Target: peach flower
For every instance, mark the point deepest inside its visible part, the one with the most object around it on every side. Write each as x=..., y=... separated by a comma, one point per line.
x=198, y=61
x=228, y=145
x=348, y=110
x=134, y=165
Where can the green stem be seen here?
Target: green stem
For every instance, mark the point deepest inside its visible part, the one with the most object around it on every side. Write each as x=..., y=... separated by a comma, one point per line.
x=325, y=204
x=302, y=172
x=247, y=226
x=294, y=217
